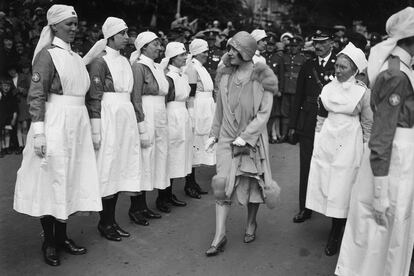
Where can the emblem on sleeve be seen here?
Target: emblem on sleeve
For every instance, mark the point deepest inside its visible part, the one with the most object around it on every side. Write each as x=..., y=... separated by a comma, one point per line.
x=35, y=77
x=394, y=99
x=96, y=80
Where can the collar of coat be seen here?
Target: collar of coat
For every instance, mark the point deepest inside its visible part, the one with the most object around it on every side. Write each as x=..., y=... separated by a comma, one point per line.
x=261, y=73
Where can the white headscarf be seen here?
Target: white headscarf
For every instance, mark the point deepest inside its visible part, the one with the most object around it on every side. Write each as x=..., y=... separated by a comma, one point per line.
x=111, y=27
x=142, y=39
x=356, y=55
x=197, y=46
x=258, y=34
x=400, y=25
x=55, y=15
x=173, y=49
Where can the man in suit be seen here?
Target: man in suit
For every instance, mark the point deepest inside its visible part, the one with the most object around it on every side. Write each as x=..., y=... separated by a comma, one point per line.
x=313, y=75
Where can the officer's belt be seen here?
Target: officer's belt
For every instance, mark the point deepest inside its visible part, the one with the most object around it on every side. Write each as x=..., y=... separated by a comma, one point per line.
x=311, y=99
x=292, y=74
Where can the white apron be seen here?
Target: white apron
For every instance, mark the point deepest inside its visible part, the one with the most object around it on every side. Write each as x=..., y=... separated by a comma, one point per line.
x=119, y=157
x=66, y=180
x=337, y=153
x=180, y=154
x=367, y=248
x=204, y=109
x=155, y=157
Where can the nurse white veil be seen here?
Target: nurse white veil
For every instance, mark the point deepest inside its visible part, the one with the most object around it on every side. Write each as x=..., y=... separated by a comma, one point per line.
x=111, y=27
x=55, y=15
x=400, y=25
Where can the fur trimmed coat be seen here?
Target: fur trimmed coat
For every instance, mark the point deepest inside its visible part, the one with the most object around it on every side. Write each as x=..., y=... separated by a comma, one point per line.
x=243, y=110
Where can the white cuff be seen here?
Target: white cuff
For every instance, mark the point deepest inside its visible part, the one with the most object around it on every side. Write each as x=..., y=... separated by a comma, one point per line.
x=142, y=127
x=96, y=126
x=38, y=128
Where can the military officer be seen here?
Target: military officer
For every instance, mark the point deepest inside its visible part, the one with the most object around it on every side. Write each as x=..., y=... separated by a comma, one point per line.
x=292, y=62
x=215, y=53
x=313, y=75
x=275, y=61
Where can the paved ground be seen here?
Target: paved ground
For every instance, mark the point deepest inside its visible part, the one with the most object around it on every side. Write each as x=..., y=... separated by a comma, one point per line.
x=175, y=244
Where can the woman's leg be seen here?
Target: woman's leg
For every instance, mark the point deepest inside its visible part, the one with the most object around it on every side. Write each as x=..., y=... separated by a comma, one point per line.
x=50, y=254
x=222, y=212
x=64, y=242
x=20, y=134
x=172, y=198
x=252, y=209
x=334, y=236
x=25, y=130
x=7, y=140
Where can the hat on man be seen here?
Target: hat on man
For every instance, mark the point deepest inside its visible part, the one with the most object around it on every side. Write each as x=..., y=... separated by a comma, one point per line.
x=321, y=35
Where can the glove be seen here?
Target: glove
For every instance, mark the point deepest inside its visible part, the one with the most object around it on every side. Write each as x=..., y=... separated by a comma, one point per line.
x=381, y=202
x=145, y=140
x=239, y=142
x=191, y=114
x=96, y=140
x=39, y=142
x=96, y=133
x=209, y=147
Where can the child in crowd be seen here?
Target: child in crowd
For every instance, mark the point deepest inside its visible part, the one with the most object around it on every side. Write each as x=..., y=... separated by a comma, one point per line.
x=8, y=115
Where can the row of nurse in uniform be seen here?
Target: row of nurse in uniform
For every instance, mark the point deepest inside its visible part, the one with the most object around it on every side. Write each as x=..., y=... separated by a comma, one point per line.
x=61, y=173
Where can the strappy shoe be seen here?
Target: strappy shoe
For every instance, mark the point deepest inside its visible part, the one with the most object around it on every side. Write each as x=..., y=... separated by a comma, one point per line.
x=248, y=238
x=216, y=249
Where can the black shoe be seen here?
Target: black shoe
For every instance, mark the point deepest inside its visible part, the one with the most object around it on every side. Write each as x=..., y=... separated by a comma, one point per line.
x=121, y=232
x=162, y=206
x=191, y=192
x=138, y=217
x=248, y=238
x=332, y=247
x=215, y=249
x=70, y=246
x=176, y=202
x=149, y=214
x=199, y=190
x=302, y=216
x=108, y=232
x=50, y=254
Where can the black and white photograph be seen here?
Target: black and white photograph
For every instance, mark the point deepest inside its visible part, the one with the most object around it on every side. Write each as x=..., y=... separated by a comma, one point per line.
x=207, y=137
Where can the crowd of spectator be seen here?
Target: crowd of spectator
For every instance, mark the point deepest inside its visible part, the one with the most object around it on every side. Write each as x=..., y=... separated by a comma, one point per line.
x=21, y=22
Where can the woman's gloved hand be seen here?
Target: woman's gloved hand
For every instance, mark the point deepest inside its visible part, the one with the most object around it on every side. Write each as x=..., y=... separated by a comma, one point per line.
x=145, y=140
x=39, y=141
x=239, y=142
x=209, y=147
x=381, y=201
x=96, y=133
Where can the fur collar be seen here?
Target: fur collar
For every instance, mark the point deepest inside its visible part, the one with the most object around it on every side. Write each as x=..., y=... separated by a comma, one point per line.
x=261, y=73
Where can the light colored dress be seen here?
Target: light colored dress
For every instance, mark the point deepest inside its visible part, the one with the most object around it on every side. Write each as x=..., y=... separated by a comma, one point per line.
x=65, y=181
x=180, y=149
x=243, y=109
x=119, y=156
x=204, y=108
x=338, y=147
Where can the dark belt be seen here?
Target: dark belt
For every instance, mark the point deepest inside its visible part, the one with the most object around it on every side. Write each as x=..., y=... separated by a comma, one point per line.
x=312, y=99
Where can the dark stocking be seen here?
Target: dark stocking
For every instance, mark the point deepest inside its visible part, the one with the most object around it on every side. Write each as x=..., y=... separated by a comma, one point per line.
x=138, y=202
x=48, y=223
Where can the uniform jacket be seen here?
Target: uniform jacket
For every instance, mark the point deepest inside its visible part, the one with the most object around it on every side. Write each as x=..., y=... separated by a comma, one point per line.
x=312, y=77
x=291, y=67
